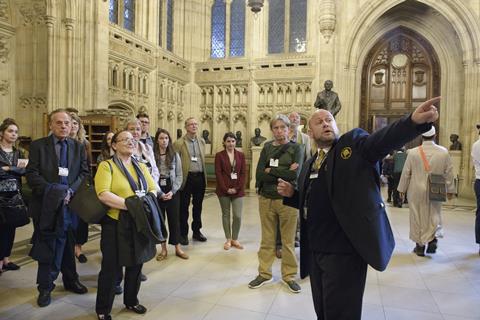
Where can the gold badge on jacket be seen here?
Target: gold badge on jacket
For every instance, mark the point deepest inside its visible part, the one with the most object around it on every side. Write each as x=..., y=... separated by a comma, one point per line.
x=346, y=153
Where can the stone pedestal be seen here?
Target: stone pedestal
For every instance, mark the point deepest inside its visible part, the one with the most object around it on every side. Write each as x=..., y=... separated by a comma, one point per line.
x=255, y=156
x=456, y=157
x=208, y=148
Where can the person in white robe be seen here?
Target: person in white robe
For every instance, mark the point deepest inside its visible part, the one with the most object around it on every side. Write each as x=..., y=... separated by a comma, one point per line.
x=425, y=215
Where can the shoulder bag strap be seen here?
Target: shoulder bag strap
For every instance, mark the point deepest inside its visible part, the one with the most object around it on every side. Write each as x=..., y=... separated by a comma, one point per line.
x=426, y=165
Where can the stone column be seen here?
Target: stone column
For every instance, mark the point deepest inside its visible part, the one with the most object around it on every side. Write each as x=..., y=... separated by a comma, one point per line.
x=253, y=168
x=51, y=74
x=69, y=24
x=468, y=131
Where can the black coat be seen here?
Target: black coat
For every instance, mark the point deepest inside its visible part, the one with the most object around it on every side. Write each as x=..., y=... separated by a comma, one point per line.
x=139, y=230
x=354, y=190
x=42, y=169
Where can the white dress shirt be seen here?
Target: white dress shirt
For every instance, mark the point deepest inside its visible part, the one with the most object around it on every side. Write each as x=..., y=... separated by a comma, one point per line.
x=476, y=158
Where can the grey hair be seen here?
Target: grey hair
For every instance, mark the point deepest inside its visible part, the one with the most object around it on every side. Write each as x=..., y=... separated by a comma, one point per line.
x=134, y=121
x=280, y=117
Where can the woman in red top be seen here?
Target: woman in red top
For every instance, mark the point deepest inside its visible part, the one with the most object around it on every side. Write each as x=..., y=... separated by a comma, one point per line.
x=230, y=170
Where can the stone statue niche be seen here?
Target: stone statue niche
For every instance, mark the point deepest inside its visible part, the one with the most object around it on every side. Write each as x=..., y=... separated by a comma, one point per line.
x=257, y=139
x=328, y=99
x=456, y=145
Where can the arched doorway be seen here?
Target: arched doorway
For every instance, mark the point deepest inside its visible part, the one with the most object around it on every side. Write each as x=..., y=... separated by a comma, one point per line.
x=400, y=72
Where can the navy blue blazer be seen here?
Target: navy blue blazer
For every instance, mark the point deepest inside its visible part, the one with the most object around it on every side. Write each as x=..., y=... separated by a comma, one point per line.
x=354, y=190
x=42, y=169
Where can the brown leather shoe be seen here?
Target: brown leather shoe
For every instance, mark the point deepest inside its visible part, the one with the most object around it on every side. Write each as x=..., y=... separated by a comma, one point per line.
x=162, y=256
x=182, y=255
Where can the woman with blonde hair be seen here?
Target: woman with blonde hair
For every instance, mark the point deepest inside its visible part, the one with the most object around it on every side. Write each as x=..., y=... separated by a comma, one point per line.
x=81, y=233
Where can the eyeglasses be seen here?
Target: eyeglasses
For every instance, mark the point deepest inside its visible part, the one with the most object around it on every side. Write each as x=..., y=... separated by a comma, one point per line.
x=127, y=140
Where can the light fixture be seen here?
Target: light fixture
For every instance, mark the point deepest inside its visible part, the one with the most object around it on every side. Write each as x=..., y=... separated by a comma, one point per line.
x=255, y=5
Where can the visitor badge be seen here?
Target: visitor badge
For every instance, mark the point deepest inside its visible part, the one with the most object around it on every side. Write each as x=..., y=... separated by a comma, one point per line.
x=314, y=175
x=273, y=163
x=194, y=159
x=163, y=182
x=140, y=193
x=62, y=172
x=233, y=175
x=22, y=163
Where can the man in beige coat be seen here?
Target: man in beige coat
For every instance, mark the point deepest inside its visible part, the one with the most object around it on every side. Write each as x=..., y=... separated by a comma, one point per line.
x=425, y=215
x=191, y=149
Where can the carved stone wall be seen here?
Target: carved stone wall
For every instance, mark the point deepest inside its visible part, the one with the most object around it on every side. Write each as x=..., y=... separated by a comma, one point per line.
x=66, y=53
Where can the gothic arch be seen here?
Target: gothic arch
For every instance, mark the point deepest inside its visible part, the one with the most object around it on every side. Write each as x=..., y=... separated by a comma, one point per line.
x=461, y=19
x=122, y=105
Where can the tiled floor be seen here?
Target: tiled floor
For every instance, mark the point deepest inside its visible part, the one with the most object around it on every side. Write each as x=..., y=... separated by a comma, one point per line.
x=213, y=283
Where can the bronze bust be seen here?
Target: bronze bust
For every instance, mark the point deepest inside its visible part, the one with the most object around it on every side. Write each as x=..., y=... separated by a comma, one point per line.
x=258, y=139
x=456, y=145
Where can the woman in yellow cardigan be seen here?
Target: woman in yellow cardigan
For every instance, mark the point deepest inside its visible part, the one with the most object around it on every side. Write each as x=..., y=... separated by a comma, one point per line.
x=113, y=187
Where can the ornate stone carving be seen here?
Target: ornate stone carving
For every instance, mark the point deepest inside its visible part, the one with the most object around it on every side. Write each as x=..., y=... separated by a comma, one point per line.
x=4, y=49
x=33, y=102
x=160, y=114
x=4, y=11
x=33, y=13
x=4, y=87
x=222, y=117
x=170, y=116
x=264, y=117
x=240, y=117
x=327, y=19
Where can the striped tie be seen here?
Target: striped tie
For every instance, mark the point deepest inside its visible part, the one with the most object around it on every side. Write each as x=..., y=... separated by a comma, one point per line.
x=319, y=160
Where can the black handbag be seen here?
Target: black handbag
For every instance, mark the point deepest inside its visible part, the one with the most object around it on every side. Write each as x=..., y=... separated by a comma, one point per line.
x=85, y=203
x=13, y=211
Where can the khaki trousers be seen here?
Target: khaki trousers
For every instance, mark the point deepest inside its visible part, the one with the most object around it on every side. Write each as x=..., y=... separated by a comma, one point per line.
x=273, y=212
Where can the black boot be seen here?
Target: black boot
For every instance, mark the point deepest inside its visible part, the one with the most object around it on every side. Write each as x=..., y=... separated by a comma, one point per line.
x=432, y=246
x=419, y=250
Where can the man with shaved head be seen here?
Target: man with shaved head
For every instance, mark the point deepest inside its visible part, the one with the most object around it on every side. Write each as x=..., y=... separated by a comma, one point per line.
x=344, y=225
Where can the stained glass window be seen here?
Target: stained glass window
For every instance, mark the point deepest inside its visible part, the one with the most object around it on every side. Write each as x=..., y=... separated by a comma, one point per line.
x=129, y=15
x=276, y=26
x=113, y=11
x=237, y=28
x=298, y=26
x=170, y=25
x=218, y=29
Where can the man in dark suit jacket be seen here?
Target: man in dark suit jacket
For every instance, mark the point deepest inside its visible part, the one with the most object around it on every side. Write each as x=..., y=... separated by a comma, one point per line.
x=344, y=225
x=57, y=165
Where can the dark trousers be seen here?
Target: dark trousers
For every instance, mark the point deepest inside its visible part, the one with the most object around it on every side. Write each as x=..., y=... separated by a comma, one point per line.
x=390, y=187
x=7, y=235
x=110, y=270
x=338, y=283
x=64, y=261
x=397, y=202
x=195, y=189
x=477, y=215
x=81, y=233
x=171, y=209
